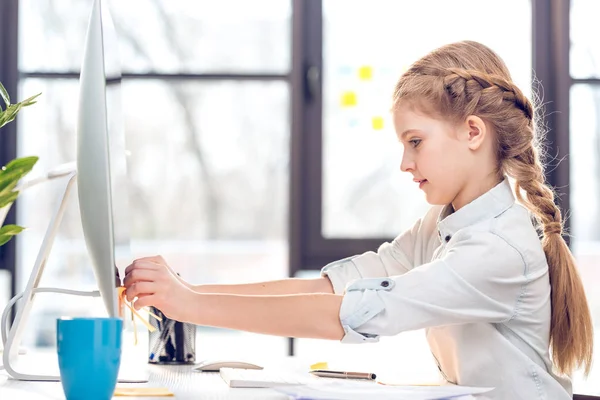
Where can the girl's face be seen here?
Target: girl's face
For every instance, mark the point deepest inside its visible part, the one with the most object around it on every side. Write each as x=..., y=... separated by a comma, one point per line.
x=435, y=153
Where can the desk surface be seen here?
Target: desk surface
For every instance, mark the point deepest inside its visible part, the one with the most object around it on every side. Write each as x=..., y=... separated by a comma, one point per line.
x=187, y=384
x=181, y=380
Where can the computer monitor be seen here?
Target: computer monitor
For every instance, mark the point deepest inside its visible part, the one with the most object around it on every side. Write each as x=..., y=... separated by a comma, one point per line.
x=97, y=151
x=101, y=181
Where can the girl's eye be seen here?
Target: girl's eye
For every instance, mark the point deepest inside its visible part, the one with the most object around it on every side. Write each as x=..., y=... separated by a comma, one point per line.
x=414, y=142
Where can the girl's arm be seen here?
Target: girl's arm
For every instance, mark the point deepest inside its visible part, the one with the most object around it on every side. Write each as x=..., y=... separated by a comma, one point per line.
x=278, y=287
x=301, y=315
x=149, y=282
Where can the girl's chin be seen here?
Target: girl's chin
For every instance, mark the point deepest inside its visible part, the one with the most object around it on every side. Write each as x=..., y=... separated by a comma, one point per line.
x=435, y=199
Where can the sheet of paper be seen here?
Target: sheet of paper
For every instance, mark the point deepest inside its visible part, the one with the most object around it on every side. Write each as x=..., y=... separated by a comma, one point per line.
x=345, y=390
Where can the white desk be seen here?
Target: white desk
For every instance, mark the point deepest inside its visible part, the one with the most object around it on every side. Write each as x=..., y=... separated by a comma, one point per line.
x=181, y=380
x=413, y=366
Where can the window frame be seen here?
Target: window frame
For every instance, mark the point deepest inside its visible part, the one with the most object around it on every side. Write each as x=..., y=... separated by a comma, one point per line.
x=11, y=76
x=9, y=73
x=310, y=250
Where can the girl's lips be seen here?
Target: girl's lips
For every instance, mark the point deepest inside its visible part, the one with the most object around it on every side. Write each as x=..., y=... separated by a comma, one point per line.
x=421, y=183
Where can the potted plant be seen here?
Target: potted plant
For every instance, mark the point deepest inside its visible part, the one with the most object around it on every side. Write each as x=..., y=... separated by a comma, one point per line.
x=15, y=170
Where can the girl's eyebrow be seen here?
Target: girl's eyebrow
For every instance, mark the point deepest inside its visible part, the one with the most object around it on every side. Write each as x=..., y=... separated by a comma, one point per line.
x=406, y=132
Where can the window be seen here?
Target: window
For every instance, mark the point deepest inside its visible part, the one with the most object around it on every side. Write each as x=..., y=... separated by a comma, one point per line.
x=159, y=36
x=584, y=162
x=205, y=103
x=193, y=73
x=365, y=50
x=364, y=198
x=353, y=195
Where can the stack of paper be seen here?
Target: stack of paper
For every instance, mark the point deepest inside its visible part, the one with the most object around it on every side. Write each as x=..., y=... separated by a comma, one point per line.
x=344, y=390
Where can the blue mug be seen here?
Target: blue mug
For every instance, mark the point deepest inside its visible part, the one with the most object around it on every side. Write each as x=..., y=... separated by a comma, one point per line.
x=89, y=356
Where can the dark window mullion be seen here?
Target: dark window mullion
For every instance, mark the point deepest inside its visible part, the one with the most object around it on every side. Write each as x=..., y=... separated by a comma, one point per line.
x=551, y=45
x=306, y=147
x=9, y=13
x=308, y=248
x=585, y=81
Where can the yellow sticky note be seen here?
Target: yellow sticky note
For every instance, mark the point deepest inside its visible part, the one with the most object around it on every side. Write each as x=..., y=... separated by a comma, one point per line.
x=122, y=303
x=365, y=73
x=319, y=365
x=377, y=123
x=143, y=392
x=348, y=99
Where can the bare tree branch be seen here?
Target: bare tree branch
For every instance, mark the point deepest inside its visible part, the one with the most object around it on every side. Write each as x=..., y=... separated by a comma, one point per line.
x=184, y=101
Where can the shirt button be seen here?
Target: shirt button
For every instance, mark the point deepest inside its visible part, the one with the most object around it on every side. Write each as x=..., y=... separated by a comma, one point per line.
x=447, y=238
x=385, y=284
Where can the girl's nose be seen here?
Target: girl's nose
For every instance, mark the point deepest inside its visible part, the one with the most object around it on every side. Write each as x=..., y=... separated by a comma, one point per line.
x=407, y=164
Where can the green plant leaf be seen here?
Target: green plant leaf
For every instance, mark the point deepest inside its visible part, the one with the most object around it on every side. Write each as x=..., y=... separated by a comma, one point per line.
x=8, y=231
x=3, y=119
x=15, y=171
x=29, y=101
x=22, y=163
x=8, y=198
x=11, y=111
x=9, y=115
x=8, y=181
x=4, y=94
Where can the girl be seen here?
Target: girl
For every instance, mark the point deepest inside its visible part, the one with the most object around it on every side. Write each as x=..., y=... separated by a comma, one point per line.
x=500, y=295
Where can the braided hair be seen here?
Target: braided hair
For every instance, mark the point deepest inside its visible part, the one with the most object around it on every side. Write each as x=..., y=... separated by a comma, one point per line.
x=467, y=78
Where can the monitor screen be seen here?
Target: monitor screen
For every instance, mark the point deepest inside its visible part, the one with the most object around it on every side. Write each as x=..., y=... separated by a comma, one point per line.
x=101, y=163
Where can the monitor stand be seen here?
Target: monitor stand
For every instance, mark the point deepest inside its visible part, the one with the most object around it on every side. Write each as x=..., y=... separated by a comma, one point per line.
x=16, y=331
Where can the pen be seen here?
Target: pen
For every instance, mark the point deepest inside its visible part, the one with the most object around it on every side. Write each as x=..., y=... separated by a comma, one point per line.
x=323, y=373
x=160, y=341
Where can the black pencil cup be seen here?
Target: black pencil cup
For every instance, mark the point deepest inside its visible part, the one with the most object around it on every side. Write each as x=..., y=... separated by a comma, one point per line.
x=172, y=342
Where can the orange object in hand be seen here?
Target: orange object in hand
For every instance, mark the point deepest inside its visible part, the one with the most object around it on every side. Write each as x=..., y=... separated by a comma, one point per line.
x=123, y=302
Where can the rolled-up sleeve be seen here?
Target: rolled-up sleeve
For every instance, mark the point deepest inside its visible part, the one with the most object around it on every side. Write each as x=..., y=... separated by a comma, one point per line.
x=480, y=279
x=393, y=258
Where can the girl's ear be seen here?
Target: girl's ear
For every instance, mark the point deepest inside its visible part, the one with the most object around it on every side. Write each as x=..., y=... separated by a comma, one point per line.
x=476, y=131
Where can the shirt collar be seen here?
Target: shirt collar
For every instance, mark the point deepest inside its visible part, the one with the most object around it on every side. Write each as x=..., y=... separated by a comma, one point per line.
x=489, y=205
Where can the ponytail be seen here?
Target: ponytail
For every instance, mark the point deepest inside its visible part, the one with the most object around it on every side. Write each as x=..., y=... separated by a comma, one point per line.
x=571, y=328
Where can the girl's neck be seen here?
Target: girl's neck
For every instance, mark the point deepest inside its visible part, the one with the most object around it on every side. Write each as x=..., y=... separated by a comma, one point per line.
x=475, y=188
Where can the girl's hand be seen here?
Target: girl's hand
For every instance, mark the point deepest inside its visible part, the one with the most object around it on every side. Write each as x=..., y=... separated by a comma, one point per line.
x=161, y=261
x=154, y=283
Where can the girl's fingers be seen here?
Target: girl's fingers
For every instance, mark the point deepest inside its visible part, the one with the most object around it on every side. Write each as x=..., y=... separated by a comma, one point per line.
x=141, y=264
x=144, y=301
x=140, y=275
x=157, y=259
x=140, y=288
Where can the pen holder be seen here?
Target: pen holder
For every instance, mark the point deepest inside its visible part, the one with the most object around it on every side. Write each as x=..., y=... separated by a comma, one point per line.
x=172, y=342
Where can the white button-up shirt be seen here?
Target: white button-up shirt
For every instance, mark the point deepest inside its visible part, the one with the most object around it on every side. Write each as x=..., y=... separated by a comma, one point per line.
x=477, y=279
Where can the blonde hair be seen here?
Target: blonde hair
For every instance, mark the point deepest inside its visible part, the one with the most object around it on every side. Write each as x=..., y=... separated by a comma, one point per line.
x=468, y=78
